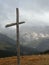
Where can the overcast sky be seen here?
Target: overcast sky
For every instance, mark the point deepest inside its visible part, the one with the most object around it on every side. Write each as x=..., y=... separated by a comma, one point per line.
x=33, y=12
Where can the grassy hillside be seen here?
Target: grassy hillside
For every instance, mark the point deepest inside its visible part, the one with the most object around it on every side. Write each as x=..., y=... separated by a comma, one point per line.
x=26, y=60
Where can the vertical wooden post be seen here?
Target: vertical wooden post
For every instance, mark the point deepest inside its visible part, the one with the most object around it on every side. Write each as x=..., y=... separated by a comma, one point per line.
x=18, y=44
x=17, y=35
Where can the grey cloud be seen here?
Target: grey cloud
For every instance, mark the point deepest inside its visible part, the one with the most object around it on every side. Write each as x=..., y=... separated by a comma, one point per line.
x=7, y=9
x=10, y=3
x=36, y=5
x=43, y=4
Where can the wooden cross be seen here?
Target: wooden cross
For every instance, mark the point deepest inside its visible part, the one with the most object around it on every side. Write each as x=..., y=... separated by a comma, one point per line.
x=17, y=42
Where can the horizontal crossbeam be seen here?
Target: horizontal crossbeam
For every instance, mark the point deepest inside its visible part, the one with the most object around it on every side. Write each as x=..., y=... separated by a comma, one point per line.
x=12, y=24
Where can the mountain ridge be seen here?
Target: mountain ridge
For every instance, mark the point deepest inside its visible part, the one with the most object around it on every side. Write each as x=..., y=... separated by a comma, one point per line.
x=8, y=47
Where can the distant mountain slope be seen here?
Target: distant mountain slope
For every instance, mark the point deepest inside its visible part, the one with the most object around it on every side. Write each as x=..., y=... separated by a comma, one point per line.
x=43, y=45
x=45, y=52
x=8, y=47
x=6, y=42
x=28, y=50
